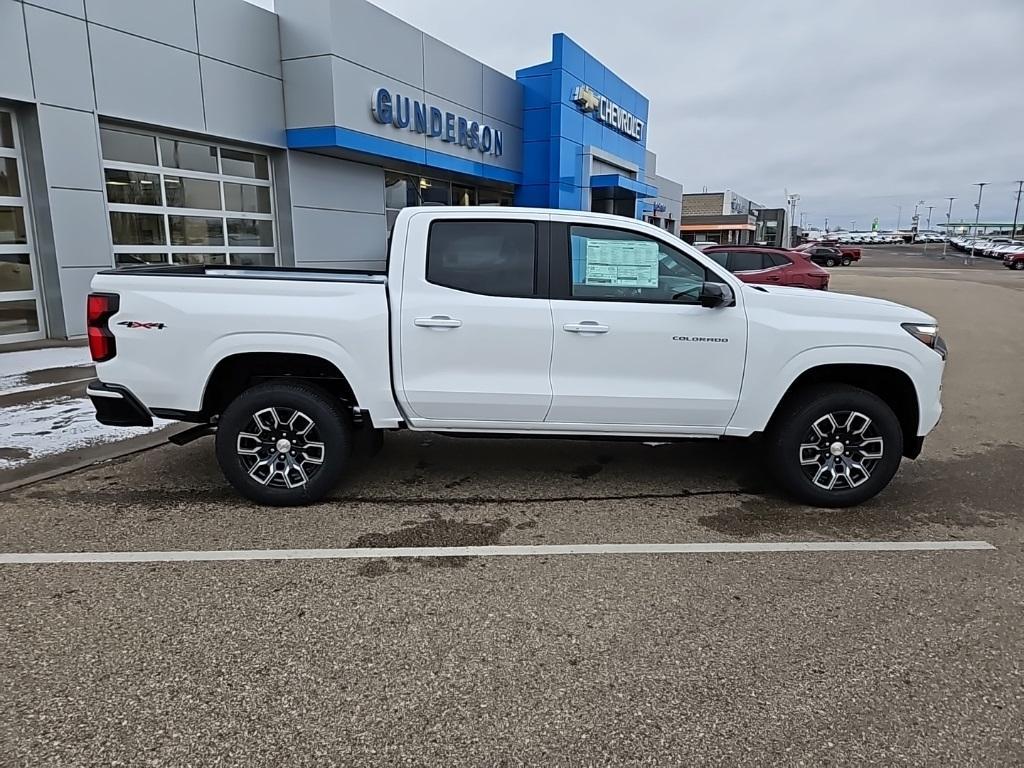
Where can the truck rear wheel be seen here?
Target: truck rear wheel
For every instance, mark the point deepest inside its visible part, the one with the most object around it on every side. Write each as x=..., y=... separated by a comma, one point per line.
x=847, y=261
x=283, y=444
x=834, y=445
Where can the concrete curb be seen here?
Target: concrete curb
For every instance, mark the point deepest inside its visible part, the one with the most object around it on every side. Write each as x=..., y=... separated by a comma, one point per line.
x=74, y=461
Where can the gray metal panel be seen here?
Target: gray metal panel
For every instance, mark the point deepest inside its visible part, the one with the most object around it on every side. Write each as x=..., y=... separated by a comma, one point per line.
x=452, y=74
x=512, y=146
x=16, y=80
x=61, y=67
x=239, y=33
x=74, y=287
x=308, y=85
x=80, y=229
x=71, y=7
x=318, y=181
x=353, y=89
x=241, y=104
x=71, y=151
x=336, y=237
x=167, y=21
x=503, y=98
x=365, y=33
x=163, y=90
x=305, y=27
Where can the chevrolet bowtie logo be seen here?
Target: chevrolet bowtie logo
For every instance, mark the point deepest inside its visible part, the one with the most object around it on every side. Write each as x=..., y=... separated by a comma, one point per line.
x=585, y=98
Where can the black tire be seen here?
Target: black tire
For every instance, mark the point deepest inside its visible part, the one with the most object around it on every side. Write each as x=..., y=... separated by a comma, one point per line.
x=266, y=412
x=830, y=261
x=847, y=261
x=793, y=430
x=1018, y=265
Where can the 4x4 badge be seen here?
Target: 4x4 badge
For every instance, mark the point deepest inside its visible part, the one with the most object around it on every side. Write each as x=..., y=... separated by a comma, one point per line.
x=144, y=326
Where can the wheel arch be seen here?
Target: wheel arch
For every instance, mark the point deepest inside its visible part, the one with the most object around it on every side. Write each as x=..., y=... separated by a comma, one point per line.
x=236, y=372
x=893, y=385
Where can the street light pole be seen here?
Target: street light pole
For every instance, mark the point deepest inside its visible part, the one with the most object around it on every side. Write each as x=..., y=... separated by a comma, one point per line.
x=949, y=213
x=928, y=229
x=899, y=215
x=977, y=213
x=1013, y=232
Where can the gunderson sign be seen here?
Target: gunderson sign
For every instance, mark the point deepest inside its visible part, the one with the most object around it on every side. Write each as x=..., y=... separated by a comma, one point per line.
x=403, y=112
x=608, y=112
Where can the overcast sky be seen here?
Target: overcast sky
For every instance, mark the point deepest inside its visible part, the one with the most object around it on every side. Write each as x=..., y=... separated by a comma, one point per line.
x=859, y=106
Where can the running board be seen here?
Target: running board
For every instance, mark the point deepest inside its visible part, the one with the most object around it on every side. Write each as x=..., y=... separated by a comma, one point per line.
x=192, y=433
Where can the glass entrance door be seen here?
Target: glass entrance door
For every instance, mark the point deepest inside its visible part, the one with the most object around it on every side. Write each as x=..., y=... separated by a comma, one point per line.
x=20, y=310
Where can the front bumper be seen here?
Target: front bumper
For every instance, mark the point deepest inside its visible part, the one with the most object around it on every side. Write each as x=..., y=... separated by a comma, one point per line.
x=116, y=406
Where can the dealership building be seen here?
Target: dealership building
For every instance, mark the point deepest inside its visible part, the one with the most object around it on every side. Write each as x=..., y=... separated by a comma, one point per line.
x=214, y=131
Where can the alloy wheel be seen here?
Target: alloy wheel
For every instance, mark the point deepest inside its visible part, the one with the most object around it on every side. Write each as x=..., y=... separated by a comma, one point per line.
x=280, y=448
x=840, y=450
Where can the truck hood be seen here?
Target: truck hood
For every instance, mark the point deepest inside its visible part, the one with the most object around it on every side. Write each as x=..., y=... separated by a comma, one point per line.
x=836, y=304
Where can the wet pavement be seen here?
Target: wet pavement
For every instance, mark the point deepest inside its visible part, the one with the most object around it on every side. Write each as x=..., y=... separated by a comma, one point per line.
x=714, y=659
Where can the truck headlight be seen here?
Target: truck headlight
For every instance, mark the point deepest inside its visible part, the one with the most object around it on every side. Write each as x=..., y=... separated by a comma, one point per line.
x=927, y=334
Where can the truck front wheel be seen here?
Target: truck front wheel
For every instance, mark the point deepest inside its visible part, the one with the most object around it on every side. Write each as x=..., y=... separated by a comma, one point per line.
x=283, y=443
x=834, y=445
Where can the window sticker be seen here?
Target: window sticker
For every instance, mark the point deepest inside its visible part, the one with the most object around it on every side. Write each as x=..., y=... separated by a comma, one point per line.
x=622, y=263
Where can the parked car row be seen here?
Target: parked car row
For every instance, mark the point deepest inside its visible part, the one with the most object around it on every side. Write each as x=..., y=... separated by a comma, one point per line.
x=991, y=247
x=864, y=238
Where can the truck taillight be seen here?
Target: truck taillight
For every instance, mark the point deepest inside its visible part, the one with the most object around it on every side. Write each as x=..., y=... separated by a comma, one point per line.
x=99, y=308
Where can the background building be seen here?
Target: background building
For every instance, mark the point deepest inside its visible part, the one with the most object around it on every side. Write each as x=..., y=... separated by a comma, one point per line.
x=771, y=227
x=719, y=217
x=213, y=131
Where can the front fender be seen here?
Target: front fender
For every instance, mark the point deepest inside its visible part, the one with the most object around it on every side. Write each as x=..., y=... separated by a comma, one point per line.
x=763, y=390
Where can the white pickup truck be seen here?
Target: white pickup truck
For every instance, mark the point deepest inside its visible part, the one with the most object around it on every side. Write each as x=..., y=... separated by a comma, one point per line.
x=517, y=322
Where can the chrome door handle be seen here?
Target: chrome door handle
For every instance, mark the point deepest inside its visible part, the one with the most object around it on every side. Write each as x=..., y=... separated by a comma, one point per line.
x=587, y=326
x=437, y=321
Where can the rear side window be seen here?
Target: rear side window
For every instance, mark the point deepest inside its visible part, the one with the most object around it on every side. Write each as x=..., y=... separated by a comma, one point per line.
x=494, y=258
x=775, y=260
x=746, y=261
x=719, y=257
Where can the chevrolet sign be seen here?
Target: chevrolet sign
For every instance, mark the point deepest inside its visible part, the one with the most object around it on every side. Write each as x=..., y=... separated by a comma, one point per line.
x=608, y=112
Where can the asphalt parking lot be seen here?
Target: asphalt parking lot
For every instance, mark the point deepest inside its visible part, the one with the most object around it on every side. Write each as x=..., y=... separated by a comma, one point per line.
x=808, y=658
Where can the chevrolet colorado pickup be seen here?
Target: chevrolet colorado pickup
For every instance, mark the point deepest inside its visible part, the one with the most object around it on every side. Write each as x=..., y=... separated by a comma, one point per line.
x=514, y=322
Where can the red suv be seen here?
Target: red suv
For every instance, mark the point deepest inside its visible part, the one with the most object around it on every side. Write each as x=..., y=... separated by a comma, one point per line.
x=769, y=266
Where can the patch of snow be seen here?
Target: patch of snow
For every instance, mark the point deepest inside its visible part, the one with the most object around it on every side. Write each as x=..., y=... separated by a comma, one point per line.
x=49, y=427
x=43, y=359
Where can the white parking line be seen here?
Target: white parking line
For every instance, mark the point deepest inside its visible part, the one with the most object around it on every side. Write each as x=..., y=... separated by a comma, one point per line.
x=38, y=558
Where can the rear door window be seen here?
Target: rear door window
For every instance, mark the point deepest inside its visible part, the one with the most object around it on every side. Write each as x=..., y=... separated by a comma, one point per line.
x=493, y=258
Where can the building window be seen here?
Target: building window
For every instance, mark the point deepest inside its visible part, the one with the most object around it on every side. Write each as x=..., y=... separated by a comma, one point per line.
x=402, y=190
x=178, y=201
x=20, y=309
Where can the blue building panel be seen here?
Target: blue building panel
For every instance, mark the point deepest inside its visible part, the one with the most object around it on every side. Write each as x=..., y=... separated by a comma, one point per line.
x=575, y=128
x=536, y=162
x=567, y=55
x=536, y=89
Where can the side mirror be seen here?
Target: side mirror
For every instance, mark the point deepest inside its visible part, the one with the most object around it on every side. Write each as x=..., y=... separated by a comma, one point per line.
x=715, y=295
